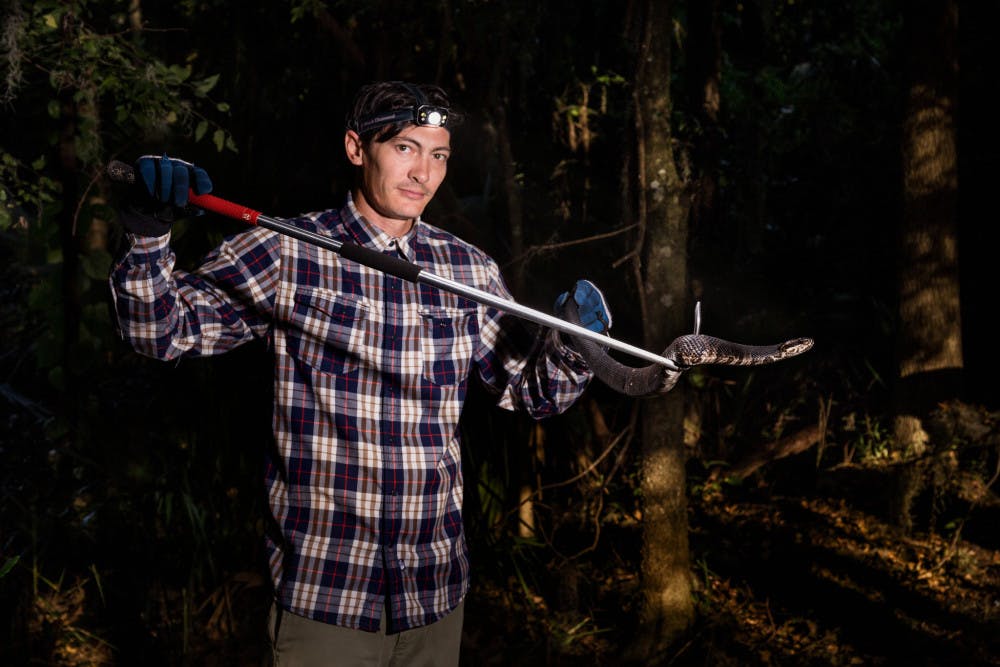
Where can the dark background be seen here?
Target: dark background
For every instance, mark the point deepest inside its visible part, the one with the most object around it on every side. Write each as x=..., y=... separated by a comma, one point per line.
x=132, y=506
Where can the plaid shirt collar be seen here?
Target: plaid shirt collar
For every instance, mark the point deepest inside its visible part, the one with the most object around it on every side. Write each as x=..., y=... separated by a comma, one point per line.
x=367, y=234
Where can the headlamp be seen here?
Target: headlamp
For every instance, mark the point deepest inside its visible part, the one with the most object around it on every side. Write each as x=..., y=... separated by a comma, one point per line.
x=425, y=115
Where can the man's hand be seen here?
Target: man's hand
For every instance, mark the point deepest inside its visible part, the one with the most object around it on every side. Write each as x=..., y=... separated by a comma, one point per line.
x=160, y=194
x=594, y=312
x=168, y=180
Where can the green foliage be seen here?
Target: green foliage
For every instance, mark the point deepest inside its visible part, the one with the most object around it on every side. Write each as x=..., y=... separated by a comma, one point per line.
x=79, y=67
x=869, y=439
x=8, y=565
x=24, y=187
x=302, y=9
x=82, y=85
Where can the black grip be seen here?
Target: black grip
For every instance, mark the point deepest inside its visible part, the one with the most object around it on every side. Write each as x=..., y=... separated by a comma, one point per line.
x=394, y=266
x=119, y=172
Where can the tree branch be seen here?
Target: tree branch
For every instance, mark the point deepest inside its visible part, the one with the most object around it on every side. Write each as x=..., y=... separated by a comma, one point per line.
x=791, y=444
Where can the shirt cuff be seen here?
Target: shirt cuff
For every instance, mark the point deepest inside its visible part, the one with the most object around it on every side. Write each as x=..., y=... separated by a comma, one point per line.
x=148, y=248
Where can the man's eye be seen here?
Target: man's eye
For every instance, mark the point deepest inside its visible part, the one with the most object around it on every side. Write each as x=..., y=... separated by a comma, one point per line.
x=403, y=148
x=441, y=156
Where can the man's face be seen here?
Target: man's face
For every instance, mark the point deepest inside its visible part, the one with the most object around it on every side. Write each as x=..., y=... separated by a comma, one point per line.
x=401, y=175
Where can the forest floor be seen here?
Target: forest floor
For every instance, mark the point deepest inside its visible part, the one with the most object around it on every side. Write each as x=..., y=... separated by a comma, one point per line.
x=805, y=572
x=779, y=580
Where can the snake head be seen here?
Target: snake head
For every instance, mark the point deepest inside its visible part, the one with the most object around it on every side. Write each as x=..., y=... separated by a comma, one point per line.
x=796, y=346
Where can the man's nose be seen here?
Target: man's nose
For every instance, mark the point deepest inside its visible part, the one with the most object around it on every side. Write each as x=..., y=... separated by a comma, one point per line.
x=420, y=171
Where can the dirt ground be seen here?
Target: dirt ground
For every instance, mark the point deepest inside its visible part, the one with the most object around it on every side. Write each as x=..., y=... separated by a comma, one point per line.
x=802, y=573
x=779, y=580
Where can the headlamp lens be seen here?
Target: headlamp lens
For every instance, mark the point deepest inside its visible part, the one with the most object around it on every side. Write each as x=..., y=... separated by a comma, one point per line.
x=432, y=116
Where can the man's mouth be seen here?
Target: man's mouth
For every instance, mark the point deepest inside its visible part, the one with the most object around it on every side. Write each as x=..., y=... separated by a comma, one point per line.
x=410, y=193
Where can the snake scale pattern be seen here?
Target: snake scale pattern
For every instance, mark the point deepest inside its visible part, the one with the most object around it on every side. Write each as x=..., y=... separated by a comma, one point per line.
x=686, y=351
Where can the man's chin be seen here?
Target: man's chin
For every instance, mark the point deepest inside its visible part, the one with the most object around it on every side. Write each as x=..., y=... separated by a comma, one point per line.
x=410, y=211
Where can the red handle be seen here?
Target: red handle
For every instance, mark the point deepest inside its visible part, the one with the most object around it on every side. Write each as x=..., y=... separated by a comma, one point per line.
x=224, y=207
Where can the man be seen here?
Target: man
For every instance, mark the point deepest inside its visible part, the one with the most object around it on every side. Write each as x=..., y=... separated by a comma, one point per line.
x=371, y=372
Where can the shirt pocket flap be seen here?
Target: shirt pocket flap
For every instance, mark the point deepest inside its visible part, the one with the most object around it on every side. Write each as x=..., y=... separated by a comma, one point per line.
x=332, y=330
x=447, y=343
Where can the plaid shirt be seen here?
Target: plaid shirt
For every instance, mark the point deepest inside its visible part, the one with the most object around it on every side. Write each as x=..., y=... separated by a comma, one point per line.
x=370, y=376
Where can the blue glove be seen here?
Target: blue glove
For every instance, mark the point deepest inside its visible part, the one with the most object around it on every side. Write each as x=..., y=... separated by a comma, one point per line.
x=168, y=180
x=160, y=194
x=594, y=312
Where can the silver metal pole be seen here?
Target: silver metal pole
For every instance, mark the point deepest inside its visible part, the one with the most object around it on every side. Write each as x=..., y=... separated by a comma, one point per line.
x=539, y=317
x=477, y=295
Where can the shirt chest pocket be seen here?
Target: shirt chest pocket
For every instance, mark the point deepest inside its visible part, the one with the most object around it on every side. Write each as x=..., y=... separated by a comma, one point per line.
x=333, y=330
x=447, y=338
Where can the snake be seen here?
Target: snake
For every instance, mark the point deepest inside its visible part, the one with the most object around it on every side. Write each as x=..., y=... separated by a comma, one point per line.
x=686, y=351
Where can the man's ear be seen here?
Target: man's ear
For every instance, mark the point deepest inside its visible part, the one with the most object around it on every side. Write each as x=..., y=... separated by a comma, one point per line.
x=353, y=147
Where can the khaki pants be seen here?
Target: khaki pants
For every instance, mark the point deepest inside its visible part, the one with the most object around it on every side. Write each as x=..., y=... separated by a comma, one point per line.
x=303, y=642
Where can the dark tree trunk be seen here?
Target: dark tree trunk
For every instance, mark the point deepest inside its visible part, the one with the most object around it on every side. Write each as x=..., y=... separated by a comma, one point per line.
x=929, y=345
x=667, y=605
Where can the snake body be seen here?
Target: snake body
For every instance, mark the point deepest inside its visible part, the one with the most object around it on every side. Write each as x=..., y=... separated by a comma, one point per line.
x=686, y=351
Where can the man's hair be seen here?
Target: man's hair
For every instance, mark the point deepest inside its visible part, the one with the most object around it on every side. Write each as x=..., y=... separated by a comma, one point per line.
x=386, y=96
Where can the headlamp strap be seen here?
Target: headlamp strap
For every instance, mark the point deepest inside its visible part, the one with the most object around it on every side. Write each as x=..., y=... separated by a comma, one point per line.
x=421, y=113
x=418, y=94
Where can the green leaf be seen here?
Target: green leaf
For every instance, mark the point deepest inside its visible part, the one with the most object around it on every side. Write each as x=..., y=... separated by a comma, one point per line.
x=178, y=73
x=200, y=130
x=110, y=83
x=222, y=106
x=697, y=378
x=202, y=88
x=8, y=565
x=219, y=137
x=54, y=109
